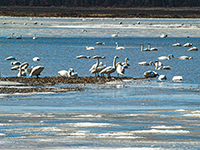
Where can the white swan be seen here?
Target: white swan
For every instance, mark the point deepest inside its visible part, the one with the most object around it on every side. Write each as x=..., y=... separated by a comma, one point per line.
x=71, y=73
x=19, y=37
x=162, y=77
x=115, y=35
x=90, y=48
x=151, y=49
x=110, y=69
x=144, y=63
x=142, y=48
x=163, y=35
x=185, y=58
x=15, y=63
x=96, y=68
x=21, y=73
x=82, y=57
x=99, y=43
x=36, y=71
x=161, y=67
x=63, y=72
x=10, y=58
x=193, y=49
x=165, y=57
x=36, y=59
x=10, y=37
x=34, y=37
x=126, y=64
x=177, y=78
x=187, y=45
x=119, y=47
x=120, y=69
x=176, y=44
x=150, y=74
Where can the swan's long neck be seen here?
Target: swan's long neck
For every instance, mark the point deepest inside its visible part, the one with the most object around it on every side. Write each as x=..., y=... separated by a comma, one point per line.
x=126, y=63
x=141, y=47
x=156, y=65
x=149, y=46
x=114, y=62
x=169, y=57
x=97, y=63
x=117, y=45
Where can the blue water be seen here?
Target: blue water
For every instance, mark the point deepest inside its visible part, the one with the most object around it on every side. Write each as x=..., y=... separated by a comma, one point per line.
x=146, y=114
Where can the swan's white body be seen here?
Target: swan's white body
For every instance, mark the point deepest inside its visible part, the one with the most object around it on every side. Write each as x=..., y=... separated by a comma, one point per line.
x=36, y=71
x=144, y=63
x=10, y=58
x=82, y=57
x=63, y=72
x=163, y=35
x=34, y=37
x=193, y=49
x=125, y=64
x=161, y=67
x=165, y=57
x=99, y=43
x=187, y=45
x=36, y=59
x=119, y=47
x=176, y=44
x=162, y=77
x=150, y=74
x=110, y=69
x=96, y=68
x=120, y=69
x=15, y=63
x=144, y=49
x=151, y=49
x=115, y=35
x=177, y=78
x=90, y=48
x=10, y=37
x=71, y=73
x=185, y=58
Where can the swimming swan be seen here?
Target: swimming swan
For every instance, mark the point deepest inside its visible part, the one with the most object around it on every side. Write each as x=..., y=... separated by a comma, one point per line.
x=176, y=44
x=126, y=64
x=144, y=63
x=90, y=48
x=71, y=73
x=63, y=72
x=10, y=37
x=161, y=67
x=142, y=48
x=118, y=47
x=150, y=74
x=177, y=78
x=19, y=37
x=162, y=77
x=193, y=49
x=165, y=57
x=185, y=58
x=115, y=35
x=82, y=57
x=110, y=69
x=187, y=45
x=151, y=49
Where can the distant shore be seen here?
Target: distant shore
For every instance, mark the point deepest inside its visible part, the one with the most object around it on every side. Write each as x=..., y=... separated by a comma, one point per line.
x=91, y=12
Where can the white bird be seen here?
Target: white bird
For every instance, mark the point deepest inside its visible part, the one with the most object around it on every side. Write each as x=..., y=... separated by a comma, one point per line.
x=36, y=59
x=176, y=44
x=193, y=49
x=63, y=72
x=163, y=35
x=165, y=57
x=120, y=69
x=10, y=37
x=110, y=69
x=151, y=49
x=119, y=47
x=71, y=73
x=96, y=68
x=16, y=63
x=161, y=67
x=15, y=67
x=34, y=37
x=144, y=49
x=185, y=58
x=82, y=57
x=99, y=43
x=162, y=77
x=150, y=74
x=115, y=35
x=187, y=45
x=22, y=72
x=90, y=48
x=10, y=58
x=19, y=37
x=177, y=78
x=144, y=63
x=36, y=71
x=126, y=64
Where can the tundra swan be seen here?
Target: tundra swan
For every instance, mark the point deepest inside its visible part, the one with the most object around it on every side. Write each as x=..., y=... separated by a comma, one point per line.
x=96, y=68
x=36, y=71
x=110, y=69
x=34, y=37
x=150, y=74
x=63, y=72
x=177, y=78
x=187, y=45
x=176, y=44
x=185, y=58
x=10, y=37
x=165, y=57
x=71, y=73
x=161, y=67
x=10, y=58
x=115, y=35
x=163, y=35
x=144, y=63
x=151, y=49
x=120, y=69
x=119, y=47
x=19, y=37
x=82, y=57
x=126, y=64
x=36, y=59
x=142, y=48
x=21, y=73
x=193, y=49
x=99, y=43
x=15, y=63
x=162, y=77
x=90, y=48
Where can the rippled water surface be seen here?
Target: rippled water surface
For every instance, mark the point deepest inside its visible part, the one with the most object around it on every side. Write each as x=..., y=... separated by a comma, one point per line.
x=146, y=114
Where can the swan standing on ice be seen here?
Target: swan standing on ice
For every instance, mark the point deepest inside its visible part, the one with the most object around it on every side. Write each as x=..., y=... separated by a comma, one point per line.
x=115, y=35
x=10, y=37
x=142, y=48
x=90, y=48
x=165, y=57
x=120, y=69
x=96, y=68
x=110, y=69
x=82, y=57
x=150, y=74
x=185, y=58
x=36, y=71
x=193, y=49
x=151, y=49
x=63, y=72
x=118, y=47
